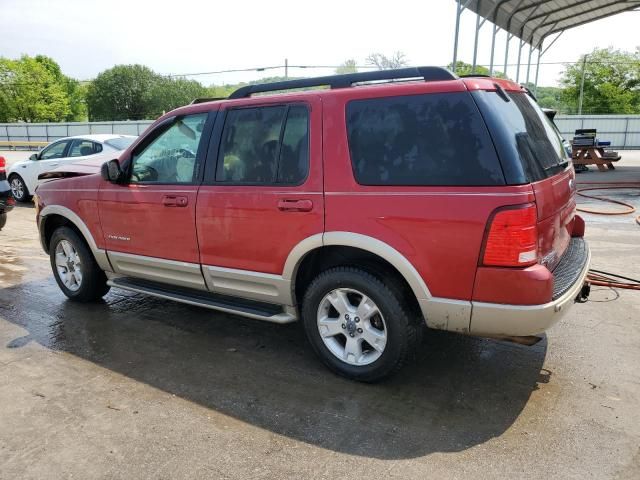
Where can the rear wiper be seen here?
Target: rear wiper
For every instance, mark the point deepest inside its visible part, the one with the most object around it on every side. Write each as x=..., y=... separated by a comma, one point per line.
x=550, y=167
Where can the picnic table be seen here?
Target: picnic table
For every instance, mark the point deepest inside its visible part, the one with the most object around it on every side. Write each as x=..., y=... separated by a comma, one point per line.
x=594, y=155
x=586, y=149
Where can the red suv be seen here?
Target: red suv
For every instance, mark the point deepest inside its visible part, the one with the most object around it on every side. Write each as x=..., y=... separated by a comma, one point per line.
x=365, y=210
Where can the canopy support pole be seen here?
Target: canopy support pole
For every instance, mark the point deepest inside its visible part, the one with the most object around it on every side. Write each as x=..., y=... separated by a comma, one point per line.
x=521, y=42
x=529, y=63
x=535, y=88
x=506, y=52
x=493, y=48
x=475, y=42
x=459, y=9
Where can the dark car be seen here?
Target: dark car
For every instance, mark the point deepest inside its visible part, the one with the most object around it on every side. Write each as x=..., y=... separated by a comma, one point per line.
x=6, y=199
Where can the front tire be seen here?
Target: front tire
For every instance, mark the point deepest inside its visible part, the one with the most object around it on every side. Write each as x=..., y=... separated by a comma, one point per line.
x=19, y=189
x=74, y=268
x=358, y=326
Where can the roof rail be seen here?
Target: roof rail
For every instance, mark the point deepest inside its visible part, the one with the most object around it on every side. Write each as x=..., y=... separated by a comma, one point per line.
x=428, y=74
x=206, y=99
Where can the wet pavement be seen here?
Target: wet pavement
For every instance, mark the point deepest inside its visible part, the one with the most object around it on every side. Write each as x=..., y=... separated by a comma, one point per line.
x=137, y=387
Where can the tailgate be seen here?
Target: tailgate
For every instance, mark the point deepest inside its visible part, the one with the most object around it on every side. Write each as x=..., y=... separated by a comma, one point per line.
x=555, y=201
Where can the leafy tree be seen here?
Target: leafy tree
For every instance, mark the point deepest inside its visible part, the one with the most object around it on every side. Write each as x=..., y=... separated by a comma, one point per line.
x=123, y=92
x=221, y=91
x=32, y=90
x=349, y=66
x=611, y=82
x=169, y=93
x=75, y=93
x=549, y=97
x=463, y=68
x=382, y=62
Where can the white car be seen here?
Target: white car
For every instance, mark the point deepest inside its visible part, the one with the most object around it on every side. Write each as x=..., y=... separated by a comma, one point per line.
x=23, y=176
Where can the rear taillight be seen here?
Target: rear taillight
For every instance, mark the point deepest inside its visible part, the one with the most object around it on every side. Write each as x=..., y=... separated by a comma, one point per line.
x=512, y=237
x=3, y=165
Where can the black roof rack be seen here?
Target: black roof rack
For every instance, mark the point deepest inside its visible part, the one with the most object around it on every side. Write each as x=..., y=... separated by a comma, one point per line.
x=428, y=74
x=207, y=99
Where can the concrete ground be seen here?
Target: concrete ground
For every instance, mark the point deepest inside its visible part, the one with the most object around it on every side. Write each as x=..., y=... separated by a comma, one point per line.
x=136, y=387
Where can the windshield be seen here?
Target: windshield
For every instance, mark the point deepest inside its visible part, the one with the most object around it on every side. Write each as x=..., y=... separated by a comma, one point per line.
x=120, y=143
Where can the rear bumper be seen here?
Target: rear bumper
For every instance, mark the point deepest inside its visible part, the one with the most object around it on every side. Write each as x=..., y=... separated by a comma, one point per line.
x=494, y=319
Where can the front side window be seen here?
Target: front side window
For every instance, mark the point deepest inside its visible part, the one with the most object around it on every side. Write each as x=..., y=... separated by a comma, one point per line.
x=83, y=148
x=431, y=139
x=171, y=156
x=265, y=145
x=53, y=151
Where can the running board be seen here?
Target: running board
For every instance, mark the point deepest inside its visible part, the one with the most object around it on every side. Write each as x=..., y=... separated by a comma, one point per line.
x=238, y=306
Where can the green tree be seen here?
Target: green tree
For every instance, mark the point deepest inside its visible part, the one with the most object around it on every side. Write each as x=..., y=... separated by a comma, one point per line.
x=169, y=93
x=463, y=68
x=123, y=92
x=75, y=93
x=221, y=91
x=382, y=62
x=611, y=82
x=348, y=66
x=32, y=90
x=549, y=97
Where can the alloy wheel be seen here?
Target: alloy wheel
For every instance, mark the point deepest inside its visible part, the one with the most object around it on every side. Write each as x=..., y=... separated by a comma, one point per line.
x=17, y=188
x=68, y=265
x=352, y=326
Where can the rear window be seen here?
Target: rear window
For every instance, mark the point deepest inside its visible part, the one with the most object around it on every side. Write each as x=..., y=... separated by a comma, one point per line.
x=121, y=143
x=432, y=139
x=531, y=132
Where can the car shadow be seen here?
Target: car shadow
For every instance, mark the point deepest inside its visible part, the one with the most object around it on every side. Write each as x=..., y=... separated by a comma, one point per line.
x=459, y=392
x=28, y=204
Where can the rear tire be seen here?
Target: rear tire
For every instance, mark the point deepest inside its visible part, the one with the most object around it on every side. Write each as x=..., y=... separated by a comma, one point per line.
x=3, y=220
x=369, y=335
x=19, y=189
x=74, y=268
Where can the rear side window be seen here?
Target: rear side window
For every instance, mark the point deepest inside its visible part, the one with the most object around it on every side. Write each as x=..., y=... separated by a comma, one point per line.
x=265, y=145
x=120, y=143
x=530, y=133
x=432, y=139
x=83, y=148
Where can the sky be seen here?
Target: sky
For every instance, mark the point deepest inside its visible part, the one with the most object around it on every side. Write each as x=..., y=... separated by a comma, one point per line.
x=191, y=36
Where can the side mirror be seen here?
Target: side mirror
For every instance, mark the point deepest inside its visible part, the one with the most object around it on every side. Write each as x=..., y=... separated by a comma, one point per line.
x=111, y=172
x=34, y=156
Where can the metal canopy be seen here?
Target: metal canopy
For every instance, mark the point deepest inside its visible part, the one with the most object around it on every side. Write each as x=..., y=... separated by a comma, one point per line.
x=533, y=20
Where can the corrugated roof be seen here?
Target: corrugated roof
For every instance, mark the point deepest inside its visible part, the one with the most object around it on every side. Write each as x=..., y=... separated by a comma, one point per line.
x=533, y=20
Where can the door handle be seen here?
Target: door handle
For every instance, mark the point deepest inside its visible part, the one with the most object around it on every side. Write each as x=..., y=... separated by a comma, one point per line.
x=175, y=201
x=295, y=205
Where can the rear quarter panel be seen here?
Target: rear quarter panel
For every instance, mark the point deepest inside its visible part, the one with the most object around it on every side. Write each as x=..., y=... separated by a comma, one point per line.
x=556, y=204
x=438, y=229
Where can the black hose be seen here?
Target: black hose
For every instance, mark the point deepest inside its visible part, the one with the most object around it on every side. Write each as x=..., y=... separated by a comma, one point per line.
x=614, y=275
